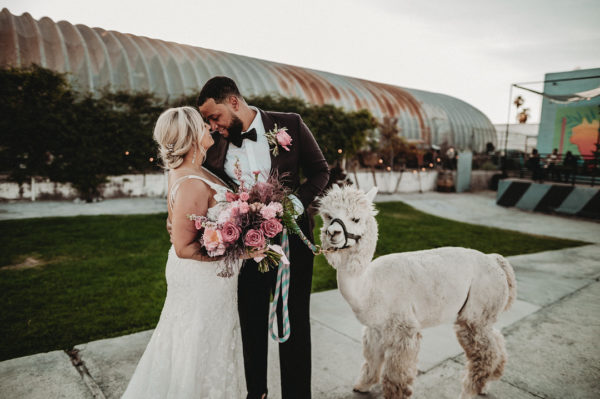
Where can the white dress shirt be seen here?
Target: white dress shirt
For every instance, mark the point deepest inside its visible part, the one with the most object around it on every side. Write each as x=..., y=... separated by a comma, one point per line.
x=252, y=155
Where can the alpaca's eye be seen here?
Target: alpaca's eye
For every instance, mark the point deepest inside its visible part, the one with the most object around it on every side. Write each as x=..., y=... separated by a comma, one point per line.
x=355, y=220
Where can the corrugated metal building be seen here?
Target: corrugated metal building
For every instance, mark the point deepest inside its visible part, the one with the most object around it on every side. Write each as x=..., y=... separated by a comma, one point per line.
x=97, y=58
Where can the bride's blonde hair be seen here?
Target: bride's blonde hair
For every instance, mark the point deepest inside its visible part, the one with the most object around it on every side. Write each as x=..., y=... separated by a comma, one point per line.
x=176, y=131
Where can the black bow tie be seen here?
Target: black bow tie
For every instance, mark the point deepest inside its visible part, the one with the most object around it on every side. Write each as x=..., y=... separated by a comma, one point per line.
x=250, y=135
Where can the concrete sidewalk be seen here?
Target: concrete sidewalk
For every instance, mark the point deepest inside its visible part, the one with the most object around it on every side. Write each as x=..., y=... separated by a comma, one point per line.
x=551, y=332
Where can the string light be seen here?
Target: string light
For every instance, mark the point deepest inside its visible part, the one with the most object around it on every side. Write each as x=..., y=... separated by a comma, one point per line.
x=389, y=168
x=431, y=165
x=151, y=159
x=339, y=151
x=380, y=160
x=126, y=152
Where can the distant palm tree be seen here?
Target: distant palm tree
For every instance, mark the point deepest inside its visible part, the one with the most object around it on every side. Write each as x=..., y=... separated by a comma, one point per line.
x=523, y=115
x=390, y=143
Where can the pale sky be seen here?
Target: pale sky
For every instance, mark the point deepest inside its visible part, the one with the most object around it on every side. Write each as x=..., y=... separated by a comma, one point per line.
x=469, y=49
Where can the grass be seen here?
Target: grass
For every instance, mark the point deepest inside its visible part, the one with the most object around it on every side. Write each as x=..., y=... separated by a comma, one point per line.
x=103, y=276
x=403, y=229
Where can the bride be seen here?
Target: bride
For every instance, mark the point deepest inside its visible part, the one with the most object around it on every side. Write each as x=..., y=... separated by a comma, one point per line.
x=196, y=349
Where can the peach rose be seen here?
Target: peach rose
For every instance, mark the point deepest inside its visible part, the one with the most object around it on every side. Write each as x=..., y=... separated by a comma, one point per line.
x=213, y=242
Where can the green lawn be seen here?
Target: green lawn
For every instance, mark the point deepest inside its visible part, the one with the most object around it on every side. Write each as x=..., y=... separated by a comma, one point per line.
x=103, y=276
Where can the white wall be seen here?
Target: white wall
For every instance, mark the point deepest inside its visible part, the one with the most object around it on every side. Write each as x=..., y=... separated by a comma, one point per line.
x=392, y=182
x=152, y=185
x=155, y=185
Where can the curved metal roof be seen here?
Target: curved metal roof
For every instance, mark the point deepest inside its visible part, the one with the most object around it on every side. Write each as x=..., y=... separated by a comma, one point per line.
x=98, y=59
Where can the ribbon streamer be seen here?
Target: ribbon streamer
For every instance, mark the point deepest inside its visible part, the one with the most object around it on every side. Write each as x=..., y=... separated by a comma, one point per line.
x=282, y=287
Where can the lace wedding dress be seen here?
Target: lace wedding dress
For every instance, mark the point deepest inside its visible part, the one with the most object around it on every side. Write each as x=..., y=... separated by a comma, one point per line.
x=196, y=348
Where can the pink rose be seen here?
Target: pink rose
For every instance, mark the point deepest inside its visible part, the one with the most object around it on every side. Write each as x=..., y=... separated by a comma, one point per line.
x=230, y=232
x=276, y=206
x=284, y=139
x=271, y=227
x=244, y=207
x=244, y=196
x=230, y=197
x=213, y=242
x=268, y=212
x=198, y=224
x=255, y=238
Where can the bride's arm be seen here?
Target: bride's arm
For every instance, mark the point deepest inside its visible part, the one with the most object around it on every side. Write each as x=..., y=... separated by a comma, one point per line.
x=192, y=198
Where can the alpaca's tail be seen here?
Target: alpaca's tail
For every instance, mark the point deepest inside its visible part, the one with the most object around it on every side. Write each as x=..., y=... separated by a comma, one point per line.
x=510, y=279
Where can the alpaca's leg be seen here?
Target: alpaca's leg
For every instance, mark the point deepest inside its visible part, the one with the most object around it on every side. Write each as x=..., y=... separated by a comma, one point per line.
x=400, y=362
x=373, y=353
x=501, y=351
x=484, y=348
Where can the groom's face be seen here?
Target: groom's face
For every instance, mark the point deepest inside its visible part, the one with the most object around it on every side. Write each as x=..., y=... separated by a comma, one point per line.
x=222, y=117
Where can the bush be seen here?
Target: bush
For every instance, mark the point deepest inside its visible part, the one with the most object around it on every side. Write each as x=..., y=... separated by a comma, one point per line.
x=49, y=130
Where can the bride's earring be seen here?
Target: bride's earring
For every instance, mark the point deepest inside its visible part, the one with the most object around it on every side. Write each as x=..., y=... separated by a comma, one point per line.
x=194, y=158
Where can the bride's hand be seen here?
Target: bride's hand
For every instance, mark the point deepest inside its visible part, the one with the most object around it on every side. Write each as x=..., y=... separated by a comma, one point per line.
x=249, y=254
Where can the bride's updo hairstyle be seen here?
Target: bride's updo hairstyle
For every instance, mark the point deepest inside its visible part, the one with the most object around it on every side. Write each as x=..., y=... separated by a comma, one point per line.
x=177, y=130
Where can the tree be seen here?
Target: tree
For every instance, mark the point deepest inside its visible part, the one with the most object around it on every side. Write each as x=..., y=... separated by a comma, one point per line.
x=33, y=106
x=334, y=128
x=390, y=143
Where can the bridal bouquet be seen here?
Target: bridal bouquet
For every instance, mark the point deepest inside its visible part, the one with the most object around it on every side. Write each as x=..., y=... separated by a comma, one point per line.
x=249, y=219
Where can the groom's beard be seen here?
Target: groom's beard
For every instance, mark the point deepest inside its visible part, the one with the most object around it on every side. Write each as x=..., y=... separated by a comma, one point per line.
x=234, y=130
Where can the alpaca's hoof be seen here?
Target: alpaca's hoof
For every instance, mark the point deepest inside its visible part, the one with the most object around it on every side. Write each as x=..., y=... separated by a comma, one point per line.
x=360, y=389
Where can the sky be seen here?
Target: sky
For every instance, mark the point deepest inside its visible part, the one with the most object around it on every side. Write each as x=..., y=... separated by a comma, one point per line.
x=470, y=49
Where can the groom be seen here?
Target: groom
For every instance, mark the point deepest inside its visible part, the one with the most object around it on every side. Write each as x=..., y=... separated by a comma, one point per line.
x=241, y=138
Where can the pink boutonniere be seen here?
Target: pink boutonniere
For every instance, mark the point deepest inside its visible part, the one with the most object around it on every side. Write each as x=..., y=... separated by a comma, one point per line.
x=278, y=137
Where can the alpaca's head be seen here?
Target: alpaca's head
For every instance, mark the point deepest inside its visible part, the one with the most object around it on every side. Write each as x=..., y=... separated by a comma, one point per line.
x=348, y=218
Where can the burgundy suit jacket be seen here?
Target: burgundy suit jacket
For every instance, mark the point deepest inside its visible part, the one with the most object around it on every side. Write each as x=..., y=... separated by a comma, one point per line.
x=304, y=157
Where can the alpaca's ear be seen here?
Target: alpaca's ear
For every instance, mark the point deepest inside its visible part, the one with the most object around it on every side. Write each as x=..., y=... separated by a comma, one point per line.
x=371, y=194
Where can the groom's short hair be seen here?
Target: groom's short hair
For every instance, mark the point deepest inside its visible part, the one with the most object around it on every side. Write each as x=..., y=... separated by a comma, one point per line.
x=219, y=89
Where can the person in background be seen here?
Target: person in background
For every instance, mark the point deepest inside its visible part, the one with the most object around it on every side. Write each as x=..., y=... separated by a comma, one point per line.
x=569, y=166
x=552, y=163
x=533, y=164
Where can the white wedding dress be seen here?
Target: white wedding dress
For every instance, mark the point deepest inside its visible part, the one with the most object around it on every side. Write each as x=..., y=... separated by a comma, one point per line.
x=196, y=348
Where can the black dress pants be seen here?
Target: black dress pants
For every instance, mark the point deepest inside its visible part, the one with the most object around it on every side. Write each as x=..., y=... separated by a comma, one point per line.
x=254, y=293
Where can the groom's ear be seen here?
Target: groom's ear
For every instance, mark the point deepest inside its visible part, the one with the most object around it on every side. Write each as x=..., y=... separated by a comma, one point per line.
x=234, y=102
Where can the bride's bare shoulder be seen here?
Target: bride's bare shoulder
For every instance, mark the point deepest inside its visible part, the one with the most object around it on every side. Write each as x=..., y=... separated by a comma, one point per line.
x=186, y=191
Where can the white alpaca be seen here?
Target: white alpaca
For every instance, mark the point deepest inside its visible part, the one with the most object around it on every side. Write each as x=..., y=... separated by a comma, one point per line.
x=397, y=295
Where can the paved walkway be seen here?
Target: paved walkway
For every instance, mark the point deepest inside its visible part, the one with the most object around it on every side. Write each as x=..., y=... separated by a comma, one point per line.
x=551, y=332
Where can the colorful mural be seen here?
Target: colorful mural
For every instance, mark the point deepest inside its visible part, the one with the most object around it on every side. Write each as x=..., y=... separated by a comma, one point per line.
x=576, y=130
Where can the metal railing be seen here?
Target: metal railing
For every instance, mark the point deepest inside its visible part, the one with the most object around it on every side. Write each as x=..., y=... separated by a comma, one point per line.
x=573, y=170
